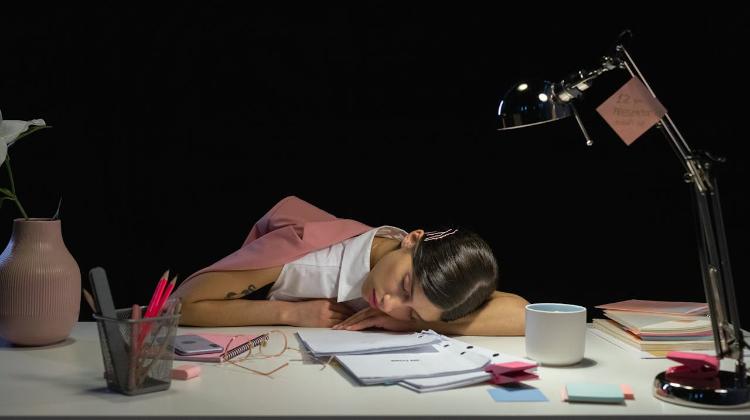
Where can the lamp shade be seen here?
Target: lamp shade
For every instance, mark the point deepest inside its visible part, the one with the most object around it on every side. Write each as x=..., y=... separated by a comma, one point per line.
x=528, y=103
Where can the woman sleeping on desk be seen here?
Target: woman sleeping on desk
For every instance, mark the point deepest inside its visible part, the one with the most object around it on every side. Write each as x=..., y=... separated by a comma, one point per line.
x=304, y=267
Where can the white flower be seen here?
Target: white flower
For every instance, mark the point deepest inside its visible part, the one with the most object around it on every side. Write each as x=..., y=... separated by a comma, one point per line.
x=10, y=130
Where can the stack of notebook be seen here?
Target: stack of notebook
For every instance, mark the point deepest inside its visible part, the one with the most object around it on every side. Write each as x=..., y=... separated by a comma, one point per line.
x=656, y=327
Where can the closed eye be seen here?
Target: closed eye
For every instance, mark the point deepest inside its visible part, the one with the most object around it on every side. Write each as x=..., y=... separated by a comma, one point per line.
x=415, y=316
x=406, y=286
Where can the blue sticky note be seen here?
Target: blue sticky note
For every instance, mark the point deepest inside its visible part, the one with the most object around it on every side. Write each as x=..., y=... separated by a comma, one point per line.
x=516, y=393
x=586, y=392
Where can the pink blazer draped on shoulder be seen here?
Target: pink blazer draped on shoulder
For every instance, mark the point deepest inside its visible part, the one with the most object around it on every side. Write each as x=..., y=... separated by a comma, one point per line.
x=291, y=229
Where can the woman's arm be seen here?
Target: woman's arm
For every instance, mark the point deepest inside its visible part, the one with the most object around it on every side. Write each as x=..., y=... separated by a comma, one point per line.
x=213, y=300
x=502, y=314
x=235, y=313
x=232, y=313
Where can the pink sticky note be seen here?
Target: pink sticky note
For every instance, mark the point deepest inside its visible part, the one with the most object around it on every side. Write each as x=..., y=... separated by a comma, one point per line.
x=631, y=110
x=503, y=373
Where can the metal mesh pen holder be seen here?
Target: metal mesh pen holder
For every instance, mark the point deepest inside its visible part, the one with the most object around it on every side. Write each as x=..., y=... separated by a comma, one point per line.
x=137, y=354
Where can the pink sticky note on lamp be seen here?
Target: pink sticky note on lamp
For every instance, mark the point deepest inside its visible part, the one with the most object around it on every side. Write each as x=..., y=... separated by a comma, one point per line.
x=631, y=110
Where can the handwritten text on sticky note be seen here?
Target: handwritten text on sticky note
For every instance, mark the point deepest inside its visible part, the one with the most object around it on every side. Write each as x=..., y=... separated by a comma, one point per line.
x=631, y=110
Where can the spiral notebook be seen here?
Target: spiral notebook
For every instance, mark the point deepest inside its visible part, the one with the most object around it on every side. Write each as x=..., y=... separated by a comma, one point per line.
x=240, y=345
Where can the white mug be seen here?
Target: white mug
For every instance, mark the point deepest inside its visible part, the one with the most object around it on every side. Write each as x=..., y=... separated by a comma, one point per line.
x=555, y=333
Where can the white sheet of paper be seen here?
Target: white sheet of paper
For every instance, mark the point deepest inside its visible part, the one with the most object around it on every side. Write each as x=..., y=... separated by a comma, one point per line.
x=324, y=342
x=393, y=367
x=439, y=383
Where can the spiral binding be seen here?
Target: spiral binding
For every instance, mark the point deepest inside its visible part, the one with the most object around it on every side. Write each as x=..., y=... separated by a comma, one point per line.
x=255, y=342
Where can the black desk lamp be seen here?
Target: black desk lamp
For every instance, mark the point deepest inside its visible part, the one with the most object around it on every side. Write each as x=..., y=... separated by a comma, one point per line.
x=535, y=102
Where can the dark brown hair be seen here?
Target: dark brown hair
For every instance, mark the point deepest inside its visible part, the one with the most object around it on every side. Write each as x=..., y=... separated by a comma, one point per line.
x=458, y=272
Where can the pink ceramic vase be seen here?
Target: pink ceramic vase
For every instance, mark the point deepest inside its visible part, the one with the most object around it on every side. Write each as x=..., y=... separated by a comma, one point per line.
x=40, y=285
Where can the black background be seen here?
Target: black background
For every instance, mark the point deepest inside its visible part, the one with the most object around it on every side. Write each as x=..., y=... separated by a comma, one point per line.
x=176, y=128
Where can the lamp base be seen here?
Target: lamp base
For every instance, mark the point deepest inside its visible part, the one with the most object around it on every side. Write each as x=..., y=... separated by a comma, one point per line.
x=721, y=392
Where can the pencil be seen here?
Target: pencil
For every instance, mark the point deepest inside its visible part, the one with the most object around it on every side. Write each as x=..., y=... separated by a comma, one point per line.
x=165, y=296
x=134, y=346
x=156, y=297
x=89, y=299
x=152, y=306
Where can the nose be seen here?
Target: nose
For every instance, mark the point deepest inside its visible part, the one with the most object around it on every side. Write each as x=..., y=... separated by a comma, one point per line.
x=390, y=303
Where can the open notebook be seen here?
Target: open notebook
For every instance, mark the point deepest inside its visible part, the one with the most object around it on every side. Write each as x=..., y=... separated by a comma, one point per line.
x=239, y=345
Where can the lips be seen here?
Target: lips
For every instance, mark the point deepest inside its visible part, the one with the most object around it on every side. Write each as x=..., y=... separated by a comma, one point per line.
x=373, y=299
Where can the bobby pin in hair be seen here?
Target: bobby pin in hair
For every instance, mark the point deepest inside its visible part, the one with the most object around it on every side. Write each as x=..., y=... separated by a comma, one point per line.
x=431, y=236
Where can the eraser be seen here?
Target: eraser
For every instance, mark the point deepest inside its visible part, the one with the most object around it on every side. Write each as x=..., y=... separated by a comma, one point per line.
x=186, y=372
x=627, y=391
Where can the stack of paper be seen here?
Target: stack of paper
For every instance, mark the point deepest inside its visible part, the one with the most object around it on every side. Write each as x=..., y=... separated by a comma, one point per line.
x=657, y=348
x=393, y=367
x=657, y=327
x=422, y=362
x=439, y=383
x=324, y=342
x=658, y=307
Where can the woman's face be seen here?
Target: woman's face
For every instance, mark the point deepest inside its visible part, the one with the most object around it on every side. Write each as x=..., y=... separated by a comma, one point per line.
x=390, y=285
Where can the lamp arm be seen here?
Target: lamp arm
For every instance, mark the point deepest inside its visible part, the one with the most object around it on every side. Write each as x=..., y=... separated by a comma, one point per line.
x=713, y=249
x=571, y=89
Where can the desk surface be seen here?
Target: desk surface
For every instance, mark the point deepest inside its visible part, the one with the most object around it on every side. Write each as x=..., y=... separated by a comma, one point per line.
x=66, y=379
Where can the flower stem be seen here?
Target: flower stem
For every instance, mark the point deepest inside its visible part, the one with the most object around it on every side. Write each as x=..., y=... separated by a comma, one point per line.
x=13, y=188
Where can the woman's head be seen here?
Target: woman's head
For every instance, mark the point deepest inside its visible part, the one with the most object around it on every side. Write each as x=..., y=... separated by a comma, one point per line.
x=441, y=275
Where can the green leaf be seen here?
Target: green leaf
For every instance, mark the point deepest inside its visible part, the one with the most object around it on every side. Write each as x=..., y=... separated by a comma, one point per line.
x=57, y=213
x=8, y=192
x=2, y=200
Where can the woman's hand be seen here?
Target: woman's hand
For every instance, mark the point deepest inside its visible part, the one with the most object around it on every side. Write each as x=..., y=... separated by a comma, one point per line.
x=374, y=318
x=317, y=313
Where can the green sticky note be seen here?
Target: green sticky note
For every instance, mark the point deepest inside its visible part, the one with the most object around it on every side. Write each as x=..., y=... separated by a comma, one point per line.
x=588, y=392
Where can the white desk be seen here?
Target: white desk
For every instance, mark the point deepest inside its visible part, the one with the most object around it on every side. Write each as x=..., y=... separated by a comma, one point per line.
x=66, y=380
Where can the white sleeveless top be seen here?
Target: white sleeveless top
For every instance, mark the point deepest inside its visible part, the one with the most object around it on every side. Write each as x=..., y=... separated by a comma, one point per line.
x=334, y=272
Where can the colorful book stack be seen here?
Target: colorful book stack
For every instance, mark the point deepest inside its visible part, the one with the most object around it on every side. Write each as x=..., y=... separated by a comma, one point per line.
x=657, y=327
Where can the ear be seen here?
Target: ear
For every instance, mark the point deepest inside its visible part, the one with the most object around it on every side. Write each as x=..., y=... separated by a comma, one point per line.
x=411, y=240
